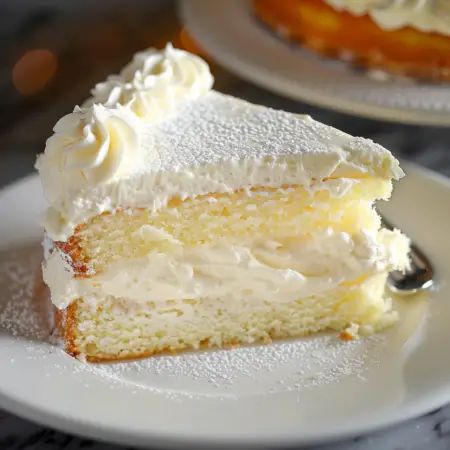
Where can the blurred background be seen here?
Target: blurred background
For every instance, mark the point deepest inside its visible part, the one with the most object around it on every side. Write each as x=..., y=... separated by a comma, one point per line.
x=52, y=52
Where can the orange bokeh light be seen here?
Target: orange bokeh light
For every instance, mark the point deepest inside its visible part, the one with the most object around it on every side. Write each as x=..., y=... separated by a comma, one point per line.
x=34, y=70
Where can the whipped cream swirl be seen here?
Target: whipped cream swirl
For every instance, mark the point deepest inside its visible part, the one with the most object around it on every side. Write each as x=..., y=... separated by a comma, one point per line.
x=90, y=146
x=424, y=15
x=155, y=81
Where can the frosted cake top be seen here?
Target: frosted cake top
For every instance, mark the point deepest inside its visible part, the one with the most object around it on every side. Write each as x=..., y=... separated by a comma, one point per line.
x=157, y=130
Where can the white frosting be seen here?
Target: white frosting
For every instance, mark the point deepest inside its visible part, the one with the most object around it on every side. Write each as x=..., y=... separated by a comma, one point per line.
x=273, y=271
x=154, y=82
x=216, y=143
x=425, y=15
x=90, y=147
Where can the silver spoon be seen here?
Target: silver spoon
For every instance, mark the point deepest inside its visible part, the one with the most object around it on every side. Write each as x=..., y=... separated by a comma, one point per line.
x=418, y=277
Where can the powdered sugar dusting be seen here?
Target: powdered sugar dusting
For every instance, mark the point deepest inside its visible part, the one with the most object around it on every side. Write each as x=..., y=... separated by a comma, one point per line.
x=218, y=128
x=21, y=312
x=265, y=369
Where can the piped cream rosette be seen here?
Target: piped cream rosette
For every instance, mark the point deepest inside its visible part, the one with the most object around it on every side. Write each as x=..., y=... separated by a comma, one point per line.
x=154, y=82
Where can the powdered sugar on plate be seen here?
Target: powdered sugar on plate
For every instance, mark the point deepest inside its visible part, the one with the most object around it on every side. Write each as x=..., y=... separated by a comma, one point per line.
x=21, y=315
x=263, y=369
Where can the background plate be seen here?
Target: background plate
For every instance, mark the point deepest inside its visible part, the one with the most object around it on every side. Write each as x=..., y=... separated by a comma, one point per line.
x=295, y=392
x=228, y=30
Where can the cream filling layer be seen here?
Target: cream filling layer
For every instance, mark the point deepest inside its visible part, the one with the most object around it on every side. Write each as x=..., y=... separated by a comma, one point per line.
x=269, y=270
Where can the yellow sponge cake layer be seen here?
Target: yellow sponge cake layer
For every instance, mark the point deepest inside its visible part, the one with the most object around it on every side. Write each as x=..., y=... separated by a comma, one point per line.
x=258, y=213
x=118, y=328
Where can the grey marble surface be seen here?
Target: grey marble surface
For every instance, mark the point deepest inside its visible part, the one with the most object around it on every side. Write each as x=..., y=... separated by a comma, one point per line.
x=26, y=123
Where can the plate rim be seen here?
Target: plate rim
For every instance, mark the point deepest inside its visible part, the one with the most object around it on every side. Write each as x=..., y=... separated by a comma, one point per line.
x=243, y=67
x=116, y=436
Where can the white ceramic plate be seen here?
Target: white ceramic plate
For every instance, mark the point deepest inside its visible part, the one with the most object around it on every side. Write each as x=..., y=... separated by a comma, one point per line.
x=228, y=30
x=295, y=392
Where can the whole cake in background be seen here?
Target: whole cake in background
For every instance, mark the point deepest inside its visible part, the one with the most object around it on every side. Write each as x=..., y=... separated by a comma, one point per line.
x=182, y=218
x=406, y=37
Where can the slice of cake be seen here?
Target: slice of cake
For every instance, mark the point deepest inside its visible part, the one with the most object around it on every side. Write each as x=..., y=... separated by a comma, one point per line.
x=407, y=37
x=182, y=218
